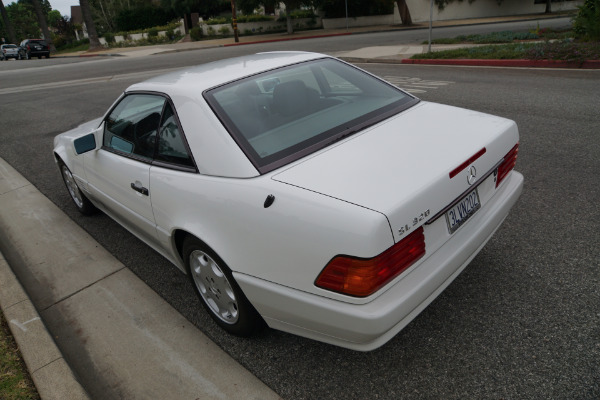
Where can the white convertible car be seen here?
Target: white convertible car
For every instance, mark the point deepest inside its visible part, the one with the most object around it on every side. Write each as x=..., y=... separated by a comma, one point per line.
x=297, y=190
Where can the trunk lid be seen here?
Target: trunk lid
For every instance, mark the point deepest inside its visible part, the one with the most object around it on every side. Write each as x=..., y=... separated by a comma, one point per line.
x=400, y=167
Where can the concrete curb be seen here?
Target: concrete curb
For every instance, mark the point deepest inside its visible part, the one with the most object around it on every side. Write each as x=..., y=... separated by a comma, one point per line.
x=51, y=374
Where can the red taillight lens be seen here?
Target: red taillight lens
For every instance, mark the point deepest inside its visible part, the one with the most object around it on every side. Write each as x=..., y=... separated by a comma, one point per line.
x=363, y=277
x=510, y=159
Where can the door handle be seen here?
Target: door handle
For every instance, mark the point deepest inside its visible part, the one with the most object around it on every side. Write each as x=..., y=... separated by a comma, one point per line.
x=138, y=187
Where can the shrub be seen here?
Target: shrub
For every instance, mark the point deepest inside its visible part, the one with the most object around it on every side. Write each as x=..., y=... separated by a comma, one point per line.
x=109, y=37
x=224, y=30
x=218, y=21
x=153, y=32
x=196, y=33
x=587, y=22
x=142, y=17
x=254, y=18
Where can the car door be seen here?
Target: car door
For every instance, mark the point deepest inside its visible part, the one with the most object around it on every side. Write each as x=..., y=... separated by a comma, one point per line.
x=119, y=173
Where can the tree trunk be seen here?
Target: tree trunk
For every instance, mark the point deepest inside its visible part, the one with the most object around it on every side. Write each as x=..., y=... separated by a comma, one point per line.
x=404, y=12
x=43, y=24
x=548, y=6
x=290, y=27
x=9, y=28
x=289, y=5
x=89, y=23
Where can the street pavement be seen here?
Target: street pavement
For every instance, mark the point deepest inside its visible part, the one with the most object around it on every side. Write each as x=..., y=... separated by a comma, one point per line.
x=52, y=273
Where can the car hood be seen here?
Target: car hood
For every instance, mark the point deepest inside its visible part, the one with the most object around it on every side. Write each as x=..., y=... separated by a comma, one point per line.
x=400, y=167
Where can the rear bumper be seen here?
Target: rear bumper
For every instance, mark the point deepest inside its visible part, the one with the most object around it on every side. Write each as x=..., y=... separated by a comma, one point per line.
x=368, y=326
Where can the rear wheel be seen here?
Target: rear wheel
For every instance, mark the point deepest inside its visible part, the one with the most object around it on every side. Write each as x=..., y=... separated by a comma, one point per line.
x=81, y=202
x=220, y=294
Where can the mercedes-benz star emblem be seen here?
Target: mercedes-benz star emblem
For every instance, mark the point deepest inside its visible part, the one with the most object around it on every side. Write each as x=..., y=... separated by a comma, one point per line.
x=472, y=175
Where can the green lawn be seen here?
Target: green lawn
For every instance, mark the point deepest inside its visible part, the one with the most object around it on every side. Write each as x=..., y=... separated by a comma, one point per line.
x=560, y=48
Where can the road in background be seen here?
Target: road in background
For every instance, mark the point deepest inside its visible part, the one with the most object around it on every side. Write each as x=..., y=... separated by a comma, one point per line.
x=522, y=321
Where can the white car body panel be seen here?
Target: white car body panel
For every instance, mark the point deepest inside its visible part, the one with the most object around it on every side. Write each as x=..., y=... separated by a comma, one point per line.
x=367, y=326
x=351, y=198
x=383, y=167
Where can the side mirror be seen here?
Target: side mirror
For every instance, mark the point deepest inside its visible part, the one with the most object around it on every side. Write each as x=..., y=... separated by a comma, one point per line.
x=89, y=142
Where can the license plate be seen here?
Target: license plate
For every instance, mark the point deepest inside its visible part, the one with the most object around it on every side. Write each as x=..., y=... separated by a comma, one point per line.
x=462, y=211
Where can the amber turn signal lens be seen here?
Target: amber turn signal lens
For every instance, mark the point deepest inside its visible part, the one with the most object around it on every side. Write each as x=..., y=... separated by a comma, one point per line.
x=361, y=277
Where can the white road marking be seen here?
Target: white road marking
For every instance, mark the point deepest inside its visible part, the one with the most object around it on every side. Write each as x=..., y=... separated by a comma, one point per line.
x=138, y=76
x=415, y=85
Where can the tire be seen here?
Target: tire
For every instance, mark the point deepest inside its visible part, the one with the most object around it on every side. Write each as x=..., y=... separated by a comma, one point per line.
x=218, y=291
x=83, y=204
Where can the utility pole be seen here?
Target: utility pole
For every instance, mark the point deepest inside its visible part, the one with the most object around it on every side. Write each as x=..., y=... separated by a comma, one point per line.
x=430, y=25
x=234, y=21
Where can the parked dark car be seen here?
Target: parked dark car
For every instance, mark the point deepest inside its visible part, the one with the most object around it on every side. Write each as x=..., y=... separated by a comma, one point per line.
x=10, y=51
x=35, y=48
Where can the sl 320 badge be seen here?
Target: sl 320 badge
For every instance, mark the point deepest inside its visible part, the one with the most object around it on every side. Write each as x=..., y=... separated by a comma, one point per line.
x=407, y=227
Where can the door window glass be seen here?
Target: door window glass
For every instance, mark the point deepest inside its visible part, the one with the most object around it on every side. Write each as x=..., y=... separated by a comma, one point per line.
x=132, y=125
x=171, y=144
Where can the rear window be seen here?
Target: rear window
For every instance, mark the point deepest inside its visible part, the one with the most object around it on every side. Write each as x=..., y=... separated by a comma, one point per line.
x=9, y=46
x=281, y=115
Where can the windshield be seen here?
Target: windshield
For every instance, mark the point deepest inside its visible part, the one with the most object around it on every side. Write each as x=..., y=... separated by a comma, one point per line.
x=284, y=114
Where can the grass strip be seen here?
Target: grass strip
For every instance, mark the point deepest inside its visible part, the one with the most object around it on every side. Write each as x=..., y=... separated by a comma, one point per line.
x=15, y=382
x=560, y=50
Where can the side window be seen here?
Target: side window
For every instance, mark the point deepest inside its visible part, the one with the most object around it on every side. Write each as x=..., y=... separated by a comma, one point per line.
x=171, y=145
x=132, y=125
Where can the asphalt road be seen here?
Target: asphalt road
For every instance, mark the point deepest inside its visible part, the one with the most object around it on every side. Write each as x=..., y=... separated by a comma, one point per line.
x=522, y=321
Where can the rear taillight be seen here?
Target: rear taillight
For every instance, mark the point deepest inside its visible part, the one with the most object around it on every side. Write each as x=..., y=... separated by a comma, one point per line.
x=363, y=277
x=508, y=163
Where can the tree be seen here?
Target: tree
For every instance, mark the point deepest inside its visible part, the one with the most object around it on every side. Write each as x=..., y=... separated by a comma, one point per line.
x=22, y=17
x=43, y=24
x=7, y=24
x=89, y=23
x=404, y=12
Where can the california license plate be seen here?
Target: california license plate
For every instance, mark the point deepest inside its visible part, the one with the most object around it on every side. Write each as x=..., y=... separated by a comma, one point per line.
x=462, y=211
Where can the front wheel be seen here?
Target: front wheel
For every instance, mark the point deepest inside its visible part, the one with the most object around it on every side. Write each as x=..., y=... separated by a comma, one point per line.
x=220, y=294
x=83, y=204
